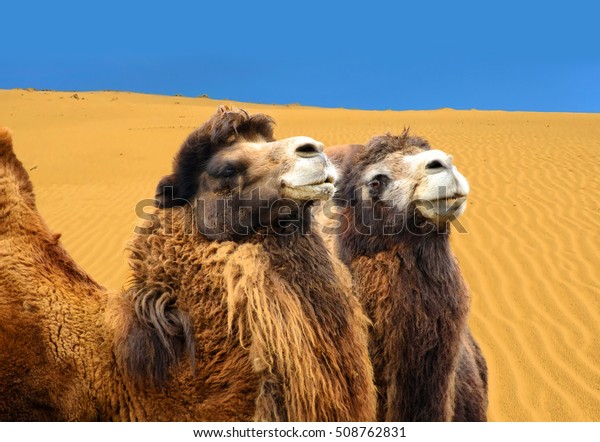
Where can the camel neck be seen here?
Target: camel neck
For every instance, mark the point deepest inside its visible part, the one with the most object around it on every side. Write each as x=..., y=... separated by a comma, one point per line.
x=286, y=320
x=417, y=301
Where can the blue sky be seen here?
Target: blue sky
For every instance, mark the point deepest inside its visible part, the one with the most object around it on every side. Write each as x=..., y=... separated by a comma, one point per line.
x=510, y=55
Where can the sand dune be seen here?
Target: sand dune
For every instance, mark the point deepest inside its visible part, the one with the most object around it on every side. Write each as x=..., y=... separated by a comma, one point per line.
x=530, y=253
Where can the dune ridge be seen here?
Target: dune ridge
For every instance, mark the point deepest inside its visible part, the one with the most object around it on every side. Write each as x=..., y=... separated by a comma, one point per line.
x=529, y=254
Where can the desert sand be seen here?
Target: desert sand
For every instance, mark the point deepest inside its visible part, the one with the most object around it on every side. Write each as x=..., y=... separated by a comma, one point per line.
x=530, y=247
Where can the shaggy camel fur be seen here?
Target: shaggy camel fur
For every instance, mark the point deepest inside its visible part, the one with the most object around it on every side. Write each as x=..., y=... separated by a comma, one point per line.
x=395, y=199
x=219, y=323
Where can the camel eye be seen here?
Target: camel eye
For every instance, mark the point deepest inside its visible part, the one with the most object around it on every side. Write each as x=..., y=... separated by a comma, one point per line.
x=377, y=182
x=228, y=172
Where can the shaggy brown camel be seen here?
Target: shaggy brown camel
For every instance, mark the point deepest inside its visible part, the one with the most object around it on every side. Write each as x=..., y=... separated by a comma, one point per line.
x=390, y=225
x=235, y=310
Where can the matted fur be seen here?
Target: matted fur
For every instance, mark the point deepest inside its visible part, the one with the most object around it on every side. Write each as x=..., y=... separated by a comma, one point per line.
x=307, y=350
x=427, y=365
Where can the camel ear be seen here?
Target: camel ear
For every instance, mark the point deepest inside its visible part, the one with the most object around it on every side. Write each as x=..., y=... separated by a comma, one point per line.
x=167, y=193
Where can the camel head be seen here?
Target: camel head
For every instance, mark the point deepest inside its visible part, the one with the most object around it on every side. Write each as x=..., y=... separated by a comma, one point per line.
x=398, y=184
x=239, y=180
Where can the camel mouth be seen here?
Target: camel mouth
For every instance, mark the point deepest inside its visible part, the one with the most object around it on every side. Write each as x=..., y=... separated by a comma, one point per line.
x=321, y=189
x=451, y=201
x=314, y=181
x=442, y=209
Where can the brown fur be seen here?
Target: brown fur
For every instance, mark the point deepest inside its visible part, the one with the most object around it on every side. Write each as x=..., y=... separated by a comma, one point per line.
x=256, y=328
x=427, y=365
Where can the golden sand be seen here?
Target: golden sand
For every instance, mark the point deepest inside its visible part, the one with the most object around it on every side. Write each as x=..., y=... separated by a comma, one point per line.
x=531, y=253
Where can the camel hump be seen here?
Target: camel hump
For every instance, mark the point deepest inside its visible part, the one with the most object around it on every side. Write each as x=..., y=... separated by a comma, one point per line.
x=5, y=140
x=14, y=179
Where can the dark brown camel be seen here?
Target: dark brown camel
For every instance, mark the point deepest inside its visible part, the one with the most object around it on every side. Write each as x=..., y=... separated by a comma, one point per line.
x=390, y=225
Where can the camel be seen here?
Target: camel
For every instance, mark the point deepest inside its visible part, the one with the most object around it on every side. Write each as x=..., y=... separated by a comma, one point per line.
x=235, y=310
x=389, y=223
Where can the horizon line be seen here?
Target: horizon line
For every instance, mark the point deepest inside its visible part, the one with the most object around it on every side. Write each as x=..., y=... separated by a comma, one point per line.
x=298, y=104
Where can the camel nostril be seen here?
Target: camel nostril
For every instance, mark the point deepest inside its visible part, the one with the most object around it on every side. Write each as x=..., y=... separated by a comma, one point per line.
x=308, y=150
x=435, y=164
